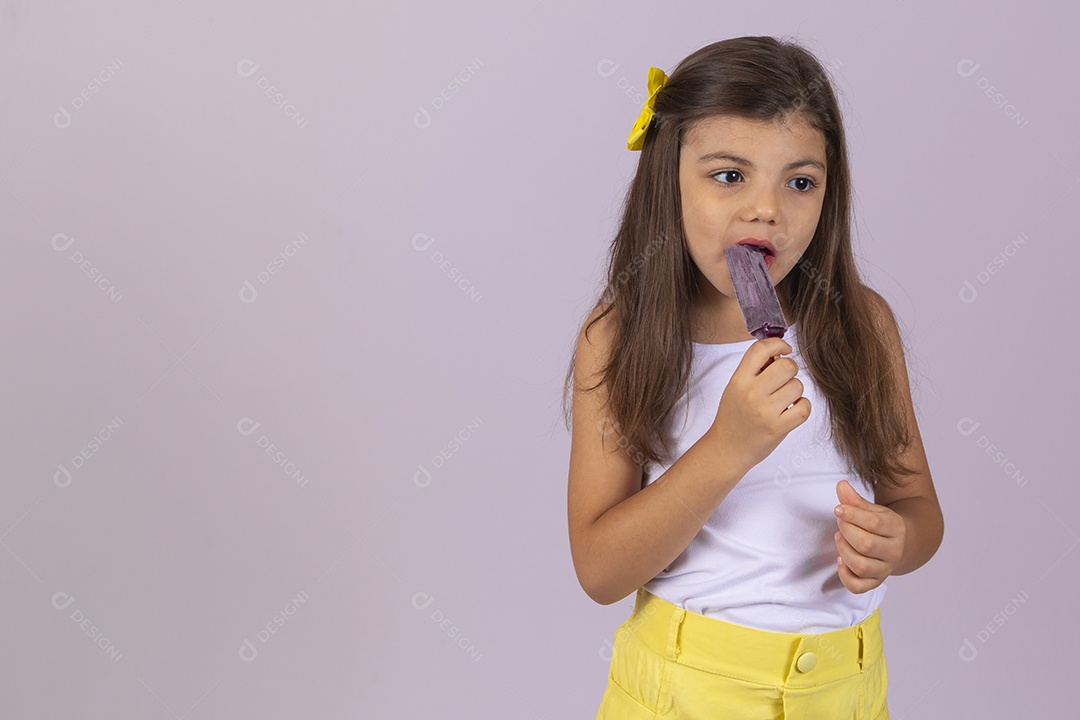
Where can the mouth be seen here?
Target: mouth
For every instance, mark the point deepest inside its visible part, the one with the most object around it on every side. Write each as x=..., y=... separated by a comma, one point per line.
x=763, y=246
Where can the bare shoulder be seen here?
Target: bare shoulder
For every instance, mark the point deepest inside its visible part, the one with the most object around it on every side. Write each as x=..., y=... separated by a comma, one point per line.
x=598, y=330
x=887, y=328
x=594, y=345
x=884, y=317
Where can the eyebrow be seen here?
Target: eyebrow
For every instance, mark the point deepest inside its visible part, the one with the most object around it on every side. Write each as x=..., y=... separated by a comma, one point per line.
x=743, y=161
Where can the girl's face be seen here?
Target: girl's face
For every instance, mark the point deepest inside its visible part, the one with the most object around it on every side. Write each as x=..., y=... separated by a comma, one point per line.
x=743, y=179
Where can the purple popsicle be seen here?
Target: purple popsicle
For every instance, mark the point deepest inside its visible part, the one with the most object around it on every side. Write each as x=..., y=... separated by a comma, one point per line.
x=755, y=292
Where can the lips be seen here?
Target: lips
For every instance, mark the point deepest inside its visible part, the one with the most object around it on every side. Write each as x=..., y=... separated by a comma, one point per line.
x=760, y=243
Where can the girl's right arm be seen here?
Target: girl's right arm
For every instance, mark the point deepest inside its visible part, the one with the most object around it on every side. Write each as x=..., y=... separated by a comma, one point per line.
x=623, y=535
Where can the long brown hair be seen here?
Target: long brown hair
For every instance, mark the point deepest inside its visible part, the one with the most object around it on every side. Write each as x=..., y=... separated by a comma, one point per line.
x=651, y=284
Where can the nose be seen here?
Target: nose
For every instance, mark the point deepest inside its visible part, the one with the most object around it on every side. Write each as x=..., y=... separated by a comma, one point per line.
x=760, y=204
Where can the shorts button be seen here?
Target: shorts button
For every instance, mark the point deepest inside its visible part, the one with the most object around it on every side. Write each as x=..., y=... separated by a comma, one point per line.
x=806, y=662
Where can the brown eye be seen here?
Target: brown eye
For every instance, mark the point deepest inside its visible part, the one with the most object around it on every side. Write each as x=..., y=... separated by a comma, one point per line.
x=717, y=175
x=811, y=183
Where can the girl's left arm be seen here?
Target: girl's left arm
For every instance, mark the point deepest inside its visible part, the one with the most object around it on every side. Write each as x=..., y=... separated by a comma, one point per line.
x=917, y=502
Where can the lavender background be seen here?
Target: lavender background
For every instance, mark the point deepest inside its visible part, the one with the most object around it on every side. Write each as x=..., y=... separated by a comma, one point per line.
x=290, y=293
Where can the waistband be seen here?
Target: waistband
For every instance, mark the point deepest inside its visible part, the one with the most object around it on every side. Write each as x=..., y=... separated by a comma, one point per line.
x=760, y=656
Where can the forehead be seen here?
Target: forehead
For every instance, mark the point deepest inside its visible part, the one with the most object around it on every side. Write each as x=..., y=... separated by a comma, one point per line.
x=761, y=137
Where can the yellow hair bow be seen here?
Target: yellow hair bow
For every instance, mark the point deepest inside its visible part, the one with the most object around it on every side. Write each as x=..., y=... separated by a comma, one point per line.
x=657, y=80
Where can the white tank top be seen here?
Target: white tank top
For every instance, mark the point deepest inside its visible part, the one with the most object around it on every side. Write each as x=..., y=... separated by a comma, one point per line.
x=766, y=558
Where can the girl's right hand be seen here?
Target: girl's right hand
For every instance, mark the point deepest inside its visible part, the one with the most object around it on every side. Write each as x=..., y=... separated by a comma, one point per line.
x=754, y=414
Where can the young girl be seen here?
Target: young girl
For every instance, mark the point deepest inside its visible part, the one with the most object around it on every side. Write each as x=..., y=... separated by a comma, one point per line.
x=719, y=476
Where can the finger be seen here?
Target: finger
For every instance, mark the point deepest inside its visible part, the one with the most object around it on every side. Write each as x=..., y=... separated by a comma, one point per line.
x=762, y=353
x=799, y=405
x=853, y=582
x=865, y=543
x=857, y=563
x=874, y=519
x=847, y=494
x=787, y=395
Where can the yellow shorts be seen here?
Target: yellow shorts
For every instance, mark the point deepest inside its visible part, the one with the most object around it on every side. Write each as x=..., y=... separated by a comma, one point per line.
x=667, y=662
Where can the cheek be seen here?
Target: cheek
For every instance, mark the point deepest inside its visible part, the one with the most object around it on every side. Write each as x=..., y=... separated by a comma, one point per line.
x=699, y=231
x=691, y=218
x=701, y=218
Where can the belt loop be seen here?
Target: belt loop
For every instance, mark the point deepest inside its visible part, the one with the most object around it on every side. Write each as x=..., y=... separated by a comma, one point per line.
x=859, y=632
x=673, y=632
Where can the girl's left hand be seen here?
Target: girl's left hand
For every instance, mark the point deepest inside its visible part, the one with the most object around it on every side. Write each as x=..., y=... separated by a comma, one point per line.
x=870, y=541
